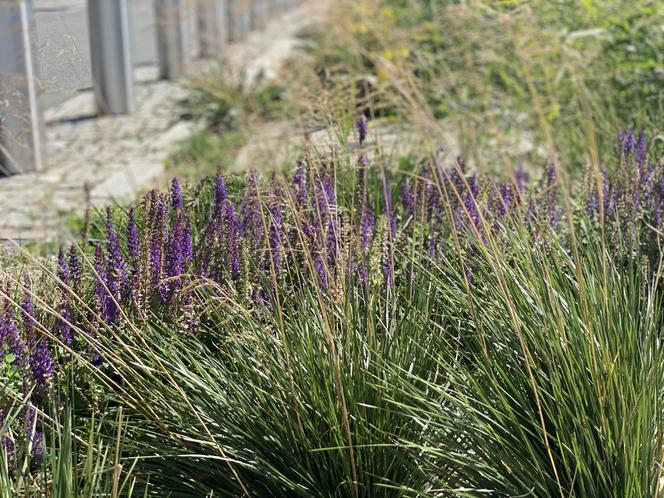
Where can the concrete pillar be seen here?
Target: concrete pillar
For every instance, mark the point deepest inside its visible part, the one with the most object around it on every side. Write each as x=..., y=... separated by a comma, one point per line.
x=259, y=13
x=238, y=19
x=190, y=33
x=21, y=121
x=212, y=26
x=171, y=47
x=111, y=55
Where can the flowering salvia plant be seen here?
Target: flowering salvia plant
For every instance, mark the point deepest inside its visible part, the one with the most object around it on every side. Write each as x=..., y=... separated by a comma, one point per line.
x=362, y=234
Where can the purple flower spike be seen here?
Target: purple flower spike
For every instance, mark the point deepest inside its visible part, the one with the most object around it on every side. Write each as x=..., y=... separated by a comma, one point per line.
x=180, y=251
x=362, y=128
x=432, y=246
x=233, y=240
x=407, y=198
x=39, y=357
x=252, y=222
x=325, y=198
x=64, y=327
x=176, y=193
x=366, y=233
x=29, y=320
x=219, y=193
x=321, y=270
x=75, y=272
x=35, y=437
x=300, y=185
x=520, y=179
x=103, y=301
x=551, y=174
x=388, y=269
x=158, y=226
x=187, y=245
x=9, y=336
x=641, y=150
x=41, y=362
x=506, y=196
x=63, y=267
x=627, y=144
x=332, y=242
x=363, y=160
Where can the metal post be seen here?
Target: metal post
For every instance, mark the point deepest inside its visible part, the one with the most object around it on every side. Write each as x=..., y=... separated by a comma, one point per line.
x=21, y=121
x=212, y=28
x=170, y=38
x=258, y=14
x=110, y=53
x=237, y=19
x=189, y=23
x=246, y=16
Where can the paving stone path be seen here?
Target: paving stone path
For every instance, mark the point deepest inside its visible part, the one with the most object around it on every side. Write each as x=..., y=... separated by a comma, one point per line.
x=99, y=160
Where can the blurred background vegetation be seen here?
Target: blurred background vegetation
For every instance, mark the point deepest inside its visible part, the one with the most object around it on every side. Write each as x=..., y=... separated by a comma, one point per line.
x=508, y=83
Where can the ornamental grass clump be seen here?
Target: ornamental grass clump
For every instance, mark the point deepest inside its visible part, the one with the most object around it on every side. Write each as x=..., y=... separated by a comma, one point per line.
x=555, y=385
x=353, y=330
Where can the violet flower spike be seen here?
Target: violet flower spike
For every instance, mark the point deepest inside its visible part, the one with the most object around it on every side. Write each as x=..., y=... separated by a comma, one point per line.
x=39, y=356
x=231, y=221
x=362, y=129
x=321, y=270
x=75, y=271
x=325, y=198
x=641, y=150
x=29, y=320
x=10, y=336
x=407, y=198
x=63, y=268
x=219, y=193
x=332, y=242
x=102, y=298
x=35, y=437
x=187, y=245
x=64, y=328
x=176, y=194
x=363, y=159
x=300, y=185
x=41, y=362
x=252, y=223
x=520, y=178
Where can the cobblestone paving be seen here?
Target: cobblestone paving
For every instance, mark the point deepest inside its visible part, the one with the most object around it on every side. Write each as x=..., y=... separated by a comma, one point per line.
x=116, y=157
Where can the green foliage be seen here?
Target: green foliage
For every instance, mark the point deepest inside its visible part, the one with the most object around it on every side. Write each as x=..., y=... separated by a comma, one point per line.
x=515, y=355
x=80, y=459
x=224, y=102
x=204, y=152
x=293, y=404
x=561, y=393
x=574, y=73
